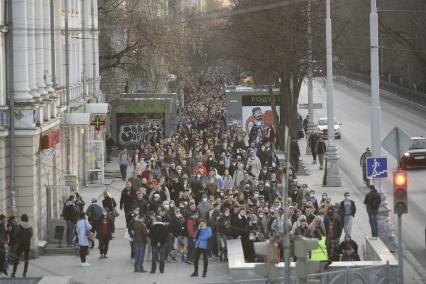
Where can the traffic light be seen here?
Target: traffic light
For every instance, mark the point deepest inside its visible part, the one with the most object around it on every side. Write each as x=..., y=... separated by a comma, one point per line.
x=400, y=196
x=304, y=266
x=269, y=268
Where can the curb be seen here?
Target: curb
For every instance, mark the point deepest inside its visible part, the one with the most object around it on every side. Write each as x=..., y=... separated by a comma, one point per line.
x=409, y=257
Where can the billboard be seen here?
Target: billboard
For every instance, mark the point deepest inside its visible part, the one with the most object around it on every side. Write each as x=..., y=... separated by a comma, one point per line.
x=257, y=116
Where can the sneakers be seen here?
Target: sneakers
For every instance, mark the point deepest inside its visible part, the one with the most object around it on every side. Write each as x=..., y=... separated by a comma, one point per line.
x=194, y=274
x=141, y=270
x=85, y=264
x=204, y=274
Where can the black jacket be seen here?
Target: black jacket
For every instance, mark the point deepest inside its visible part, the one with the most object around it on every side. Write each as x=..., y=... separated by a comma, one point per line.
x=158, y=234
x=373, y=200
x=23, y=234
x=353, y=207
x=143, y=206
x=3, y=235
x=109, y=204
x=69, y=212
x=127, y=198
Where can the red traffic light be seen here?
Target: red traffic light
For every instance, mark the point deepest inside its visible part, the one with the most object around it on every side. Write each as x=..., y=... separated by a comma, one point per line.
x=400, y=178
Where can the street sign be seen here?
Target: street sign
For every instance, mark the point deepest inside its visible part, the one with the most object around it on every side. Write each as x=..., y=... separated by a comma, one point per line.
x=397, y=143
x=306, y=106
x=377, y=167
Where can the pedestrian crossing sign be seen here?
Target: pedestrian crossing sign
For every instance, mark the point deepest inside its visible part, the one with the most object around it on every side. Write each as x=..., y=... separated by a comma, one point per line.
x=377, y=167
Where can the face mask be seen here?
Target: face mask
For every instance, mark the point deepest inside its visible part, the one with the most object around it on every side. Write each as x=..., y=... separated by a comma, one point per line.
x=261, y=215
x=172, y=205
x=227, y=214
x=179, y=171
x=166, y=207
x=346, y=197
x=242, y=213
x=198, y=176
x=204, y=199
x=256, y=195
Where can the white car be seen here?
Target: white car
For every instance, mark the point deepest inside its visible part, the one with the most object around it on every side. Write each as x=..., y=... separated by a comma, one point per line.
x=322, y=128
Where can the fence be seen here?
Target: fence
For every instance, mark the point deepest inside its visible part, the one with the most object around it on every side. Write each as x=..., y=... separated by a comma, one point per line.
x=375, y=274
x=403, y=92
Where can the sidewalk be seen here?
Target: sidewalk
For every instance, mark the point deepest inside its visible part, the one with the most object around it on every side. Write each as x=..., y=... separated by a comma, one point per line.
x=118, y=268
x=361, y=226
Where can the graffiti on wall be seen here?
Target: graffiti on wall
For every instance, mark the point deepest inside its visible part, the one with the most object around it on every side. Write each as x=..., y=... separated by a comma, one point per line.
x=137, y=132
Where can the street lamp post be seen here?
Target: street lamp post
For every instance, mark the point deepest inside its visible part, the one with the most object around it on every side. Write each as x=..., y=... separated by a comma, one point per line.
x=332, y=170
x=311, y=125
x=386, y=233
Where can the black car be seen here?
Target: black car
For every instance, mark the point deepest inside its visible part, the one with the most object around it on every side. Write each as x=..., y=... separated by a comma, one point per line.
x=416, y=155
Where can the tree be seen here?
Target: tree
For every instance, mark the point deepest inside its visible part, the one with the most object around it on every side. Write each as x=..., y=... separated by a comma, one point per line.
x=141, y=43
x=272, y=44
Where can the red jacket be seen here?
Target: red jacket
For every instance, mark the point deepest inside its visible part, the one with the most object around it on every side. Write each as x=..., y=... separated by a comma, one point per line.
x=201, y=169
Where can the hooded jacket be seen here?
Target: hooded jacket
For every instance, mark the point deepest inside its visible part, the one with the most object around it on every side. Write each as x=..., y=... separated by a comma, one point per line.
x=158, y=233
x=23, y=234
x=202, y=237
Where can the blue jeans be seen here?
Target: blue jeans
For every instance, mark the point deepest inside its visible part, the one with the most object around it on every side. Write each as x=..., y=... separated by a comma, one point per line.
x=191, y=250
x=139, y=255
x=70, y=232
x=348, y=224
x=158, y=254
x=223, y=246
x=373, y=224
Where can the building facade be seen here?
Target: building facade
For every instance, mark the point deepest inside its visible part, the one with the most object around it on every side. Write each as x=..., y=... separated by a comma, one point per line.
x=50, y=71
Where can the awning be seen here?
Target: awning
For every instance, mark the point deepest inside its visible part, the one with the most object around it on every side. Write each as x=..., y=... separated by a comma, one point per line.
x=100, y=108
x=76, y=118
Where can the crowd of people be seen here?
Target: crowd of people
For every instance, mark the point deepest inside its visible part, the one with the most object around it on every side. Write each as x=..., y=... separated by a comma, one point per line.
x=188, y=193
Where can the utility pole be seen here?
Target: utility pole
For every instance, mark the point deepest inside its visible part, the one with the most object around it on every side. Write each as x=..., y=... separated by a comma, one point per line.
x=311, y=125
x=332, y=174
x=386, y=234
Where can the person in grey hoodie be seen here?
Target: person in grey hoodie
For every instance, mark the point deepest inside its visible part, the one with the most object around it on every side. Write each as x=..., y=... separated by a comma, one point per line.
x=23, y=234
x=204, y=207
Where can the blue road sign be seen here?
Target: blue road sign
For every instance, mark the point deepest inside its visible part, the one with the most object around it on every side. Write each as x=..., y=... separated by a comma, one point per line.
x=377, y=167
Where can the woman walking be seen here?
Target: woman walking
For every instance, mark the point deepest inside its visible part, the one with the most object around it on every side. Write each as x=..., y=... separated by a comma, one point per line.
x=83, y=229
x=104, y=233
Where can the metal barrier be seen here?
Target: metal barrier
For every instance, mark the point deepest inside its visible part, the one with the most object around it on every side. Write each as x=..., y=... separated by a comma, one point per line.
x=375, y=274
x=403, y=92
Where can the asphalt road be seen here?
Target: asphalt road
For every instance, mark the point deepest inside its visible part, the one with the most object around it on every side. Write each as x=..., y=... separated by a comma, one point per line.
x=352, y=108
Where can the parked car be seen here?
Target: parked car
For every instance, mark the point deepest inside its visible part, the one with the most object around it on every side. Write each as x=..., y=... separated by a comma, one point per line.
x=416, y=155
x=323, y=128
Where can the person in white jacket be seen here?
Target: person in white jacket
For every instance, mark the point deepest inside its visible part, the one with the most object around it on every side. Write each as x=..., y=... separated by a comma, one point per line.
x=254, y=166
x=83, y=227
x=227, y=181
x=238, y=175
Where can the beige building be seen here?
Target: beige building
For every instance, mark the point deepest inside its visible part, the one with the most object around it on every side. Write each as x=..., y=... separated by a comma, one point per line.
x=50, y=130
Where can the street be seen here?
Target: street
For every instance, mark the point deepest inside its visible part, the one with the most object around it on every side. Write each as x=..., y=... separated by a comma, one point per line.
x=352, y=109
